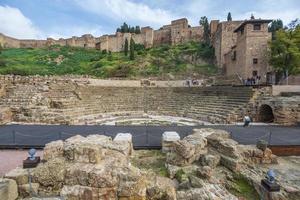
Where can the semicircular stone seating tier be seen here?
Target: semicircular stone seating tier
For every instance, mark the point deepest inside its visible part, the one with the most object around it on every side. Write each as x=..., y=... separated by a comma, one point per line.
x=86, y=104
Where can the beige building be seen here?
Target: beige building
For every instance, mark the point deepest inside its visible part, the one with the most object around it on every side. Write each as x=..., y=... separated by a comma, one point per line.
x=248, y=58
x=241, y=48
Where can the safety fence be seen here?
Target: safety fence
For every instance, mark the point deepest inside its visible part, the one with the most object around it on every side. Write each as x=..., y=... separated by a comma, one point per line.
x=148, y=137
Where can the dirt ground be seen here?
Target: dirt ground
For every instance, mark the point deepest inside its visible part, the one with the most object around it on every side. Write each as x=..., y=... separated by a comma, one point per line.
x=10, y=159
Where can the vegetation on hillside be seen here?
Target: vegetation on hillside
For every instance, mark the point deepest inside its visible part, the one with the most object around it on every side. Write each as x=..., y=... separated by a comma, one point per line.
x=182, y=60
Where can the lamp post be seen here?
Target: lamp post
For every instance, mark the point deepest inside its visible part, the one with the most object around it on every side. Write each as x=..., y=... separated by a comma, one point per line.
x=269, y=185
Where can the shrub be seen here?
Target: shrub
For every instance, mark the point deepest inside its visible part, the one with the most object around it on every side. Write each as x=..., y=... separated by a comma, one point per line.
x=2, y=63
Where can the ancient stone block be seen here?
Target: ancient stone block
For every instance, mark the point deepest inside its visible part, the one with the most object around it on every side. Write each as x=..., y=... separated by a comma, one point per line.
x=8, y=189
x=18, y=174
x=230, y=163
x=78, y=192
x=210, y=160
x=168, y=138
x=27, y=190
x=5, y=115
x=53, y=150
x=124, y=139
x=204, y=172
x=50, y=174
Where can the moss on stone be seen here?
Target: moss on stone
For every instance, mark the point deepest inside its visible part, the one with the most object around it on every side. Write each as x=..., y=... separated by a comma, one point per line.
x=241, y=187
x=150, y=160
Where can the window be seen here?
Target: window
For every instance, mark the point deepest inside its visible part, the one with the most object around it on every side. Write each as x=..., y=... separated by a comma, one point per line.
x=233, y=56
x=242, y=31
x=254, y=73
x=255, y=61
x=256, y=27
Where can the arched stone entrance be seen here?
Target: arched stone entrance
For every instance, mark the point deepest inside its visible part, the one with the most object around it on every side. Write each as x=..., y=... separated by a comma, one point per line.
x=266, y=114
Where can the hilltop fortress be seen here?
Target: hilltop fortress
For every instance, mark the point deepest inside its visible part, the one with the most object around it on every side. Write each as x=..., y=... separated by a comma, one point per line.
x=240, y=46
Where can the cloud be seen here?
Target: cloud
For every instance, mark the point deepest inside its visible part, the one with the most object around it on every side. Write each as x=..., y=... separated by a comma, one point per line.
x=15, y=24
x=69, y=31
x=126, y=10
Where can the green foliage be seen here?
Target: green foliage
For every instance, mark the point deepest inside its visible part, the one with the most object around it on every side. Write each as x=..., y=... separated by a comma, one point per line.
x=126, y=47
x=293, y=24
x=181, y=176
x=275, y=26
x=285, y=51
x=150, y=160
x=206, y=32
x=241, y=187
x=131, y=53
x=229, y=18
x=1, y=48
x=137, y=30
x=158, y=61
x=129, y=29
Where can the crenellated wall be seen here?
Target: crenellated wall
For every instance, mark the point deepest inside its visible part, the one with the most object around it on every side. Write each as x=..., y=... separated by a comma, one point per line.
x=177, y=32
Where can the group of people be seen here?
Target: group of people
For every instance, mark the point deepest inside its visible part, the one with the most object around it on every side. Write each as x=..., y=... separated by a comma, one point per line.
x=252, y=81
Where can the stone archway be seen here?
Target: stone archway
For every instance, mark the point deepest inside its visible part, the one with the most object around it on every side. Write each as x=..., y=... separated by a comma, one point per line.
x=266, y=114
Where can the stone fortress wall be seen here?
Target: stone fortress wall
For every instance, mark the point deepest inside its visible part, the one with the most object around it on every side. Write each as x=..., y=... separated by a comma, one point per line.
x=240, y=49
x=177, y=32
x=62, y=100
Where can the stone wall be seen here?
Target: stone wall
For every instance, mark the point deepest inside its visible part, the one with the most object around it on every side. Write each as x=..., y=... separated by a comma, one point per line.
x=224, y=39
x=177, y=32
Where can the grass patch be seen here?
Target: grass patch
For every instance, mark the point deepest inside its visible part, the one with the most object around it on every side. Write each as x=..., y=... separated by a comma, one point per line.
x=152, y=160
x=242, y=188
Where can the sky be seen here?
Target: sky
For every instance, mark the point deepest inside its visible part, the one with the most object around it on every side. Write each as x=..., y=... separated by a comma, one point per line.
x=39, y=19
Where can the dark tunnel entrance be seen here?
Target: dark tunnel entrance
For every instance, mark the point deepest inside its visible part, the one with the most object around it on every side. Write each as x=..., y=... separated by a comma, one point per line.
x=266, y=114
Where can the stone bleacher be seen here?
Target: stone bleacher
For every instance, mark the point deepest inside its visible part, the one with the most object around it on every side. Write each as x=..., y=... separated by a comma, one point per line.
x=71, y=103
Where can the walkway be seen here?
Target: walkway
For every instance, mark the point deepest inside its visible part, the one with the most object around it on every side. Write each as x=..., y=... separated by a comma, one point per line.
x=26, y=136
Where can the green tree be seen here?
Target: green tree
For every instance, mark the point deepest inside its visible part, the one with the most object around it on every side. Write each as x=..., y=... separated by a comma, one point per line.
x=285, y=51
x=126, y=47
x=1, y=48
x=118, y=30
x=229, y=18
x=131, y=30
x=131, y=55
x=275, y=26
x=294, y=23
x=206, y=32
x=137, y=29
x=124, y=28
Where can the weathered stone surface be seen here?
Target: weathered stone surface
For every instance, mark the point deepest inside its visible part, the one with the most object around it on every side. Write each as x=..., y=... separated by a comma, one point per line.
x=18, y=174
x=223, y=144
x=124, y=139
x=196, y=182
x=51, y=174
x=161, y=188
x=5, y=115
x=53, y=150
x=78, y=192
x=188, y=150
x=168, y=139
x=28, y=190
x=208, y=191
x=210, y=160
x=8, y=189
x=230, y=163
x=204, y=172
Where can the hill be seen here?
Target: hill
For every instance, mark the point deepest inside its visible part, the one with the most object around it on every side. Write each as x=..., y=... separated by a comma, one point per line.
x=189, y=59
